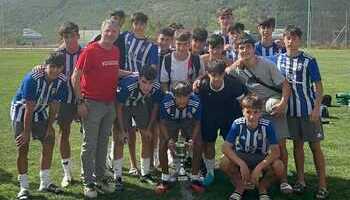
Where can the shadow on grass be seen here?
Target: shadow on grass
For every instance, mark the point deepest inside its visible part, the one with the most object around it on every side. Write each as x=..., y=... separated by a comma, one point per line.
x=6, y=177
x=222, y=189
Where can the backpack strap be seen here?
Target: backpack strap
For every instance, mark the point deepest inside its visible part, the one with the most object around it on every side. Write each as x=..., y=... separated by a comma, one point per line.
x=195, y=65
x=167, y=66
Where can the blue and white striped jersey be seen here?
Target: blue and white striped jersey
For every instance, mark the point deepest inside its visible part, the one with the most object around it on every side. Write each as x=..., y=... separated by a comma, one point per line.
x=70, y=60
x=301, y=72
x=35, y=87
x=139, y=52
x=272, y=50
x=169, y=110
x=252, y=141
x=129, y=93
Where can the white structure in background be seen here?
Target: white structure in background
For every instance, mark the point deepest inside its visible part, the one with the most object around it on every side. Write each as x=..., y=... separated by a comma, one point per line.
x=32, y=37
x=87, y=35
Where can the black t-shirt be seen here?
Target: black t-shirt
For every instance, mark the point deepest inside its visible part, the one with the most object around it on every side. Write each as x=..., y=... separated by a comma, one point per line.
x=223, y=104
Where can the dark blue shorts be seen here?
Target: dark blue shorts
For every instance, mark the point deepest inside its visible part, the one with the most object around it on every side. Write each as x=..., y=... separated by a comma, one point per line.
x=211, y=126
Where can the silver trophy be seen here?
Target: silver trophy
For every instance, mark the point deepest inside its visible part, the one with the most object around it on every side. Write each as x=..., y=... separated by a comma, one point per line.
x=180, y=154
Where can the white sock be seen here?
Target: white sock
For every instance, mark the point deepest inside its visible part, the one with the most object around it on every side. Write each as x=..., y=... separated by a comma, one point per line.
x=118, y=167
x=66, y=165
x=156, y=156
x=45, y=177
x=23, y=181
x=195, y=177
x=170, y=157
x=111, y=154
x=210, y=165
x=145, y=164
x=165, y=177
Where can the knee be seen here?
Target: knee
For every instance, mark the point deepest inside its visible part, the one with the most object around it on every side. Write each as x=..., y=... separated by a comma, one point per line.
x=278, y=168
x=315, y=147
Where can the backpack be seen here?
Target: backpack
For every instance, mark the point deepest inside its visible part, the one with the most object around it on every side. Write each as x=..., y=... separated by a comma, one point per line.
x=194, y=63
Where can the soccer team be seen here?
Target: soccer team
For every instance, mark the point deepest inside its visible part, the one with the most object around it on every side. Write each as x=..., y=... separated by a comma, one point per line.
x=254, y=94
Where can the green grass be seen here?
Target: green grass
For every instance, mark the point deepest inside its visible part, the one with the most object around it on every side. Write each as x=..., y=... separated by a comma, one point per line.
x=335, y=69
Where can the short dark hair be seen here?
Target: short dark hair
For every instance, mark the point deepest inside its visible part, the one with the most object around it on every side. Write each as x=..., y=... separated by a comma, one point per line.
x=183, y=36
x=223, y=11
x=68, y=28
x=117, y=13
x=55, y=58
x=139, y=17
x=167, y=31
x=247, y=40
x=252, y=101
x=293, y=30
x=216, y=67
x=215, y=40
x=176, y=26
x=199, y=34
x=148, y=72
x=181, y=88
x=267, y=22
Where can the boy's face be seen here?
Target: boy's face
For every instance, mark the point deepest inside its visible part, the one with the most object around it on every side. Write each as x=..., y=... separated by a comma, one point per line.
x=52, y=71
x=109, y=33
x=265, y=32
x=216, y=79
x=234, y=37
x=70, y=40
x=225, y=20
x=292, y=41
x=182, y=48
x=216, y=52
x=139, y=27
x=197, y=46
x=145, y=85
x=252, y=115
x=165, y=41
x=246, y=51
x=181, y=101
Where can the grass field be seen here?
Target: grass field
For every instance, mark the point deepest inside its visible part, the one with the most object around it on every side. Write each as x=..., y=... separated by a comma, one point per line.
x=335, y=69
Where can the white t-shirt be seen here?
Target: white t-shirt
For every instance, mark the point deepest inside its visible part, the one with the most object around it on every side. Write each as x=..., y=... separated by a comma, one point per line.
x=179, y=70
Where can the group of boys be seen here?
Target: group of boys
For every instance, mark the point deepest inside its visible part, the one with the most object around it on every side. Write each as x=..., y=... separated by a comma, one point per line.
x=123, y=83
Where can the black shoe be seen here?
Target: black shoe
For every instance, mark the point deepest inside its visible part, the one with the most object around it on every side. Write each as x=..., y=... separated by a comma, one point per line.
x=23, y=195
x=119, y=186
x=148, y=179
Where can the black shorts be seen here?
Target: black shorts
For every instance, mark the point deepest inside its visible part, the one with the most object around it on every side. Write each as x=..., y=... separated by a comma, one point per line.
x=211, y=126
x=251, y=159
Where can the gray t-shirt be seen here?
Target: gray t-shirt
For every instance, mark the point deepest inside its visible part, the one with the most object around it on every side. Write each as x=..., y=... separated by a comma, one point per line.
x=267, y=72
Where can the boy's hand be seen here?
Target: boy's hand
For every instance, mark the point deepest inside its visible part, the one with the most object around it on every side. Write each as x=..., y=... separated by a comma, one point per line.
x=245, y=172
x=196, y=85
x=22, y=139
x=315, y=114
x=278, y=109
x=82, y=110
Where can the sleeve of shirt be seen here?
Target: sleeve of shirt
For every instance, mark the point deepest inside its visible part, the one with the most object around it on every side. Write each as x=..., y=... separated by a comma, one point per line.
x=198, y=113
x=314, y=70
x=276, y=76
x=29, y=88
x=123, y=93
x=154, y=57
x=83, y=61
x=62, y=92
x=162, y=112
x=271, y=134
x=163, y=73
x=233, y=133
x=157, y=96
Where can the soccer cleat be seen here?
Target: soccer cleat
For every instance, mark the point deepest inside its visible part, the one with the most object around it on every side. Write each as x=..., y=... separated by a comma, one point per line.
x=66, y=181
x=52, y=188
x=23, y=194
x=119, y=186
x=148, y=179
x=105, y=186
x=197, y=186
x=90, y=191
x=208, y=180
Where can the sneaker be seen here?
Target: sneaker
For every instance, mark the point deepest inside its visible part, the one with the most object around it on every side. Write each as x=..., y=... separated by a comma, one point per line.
x=105, y=186
x=133, y=172
x=90, y=191
x=148, y=179
x=50, y=188
x=23, y=194
x=197, y=186
x=66, y=181
x=208, y=180
x=162, y=187
x=119, y=186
